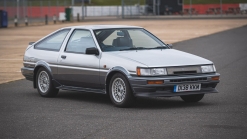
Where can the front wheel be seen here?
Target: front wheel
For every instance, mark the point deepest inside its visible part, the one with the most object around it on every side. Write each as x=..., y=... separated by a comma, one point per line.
x=192, y=98
x=120, y=92
x=44, y=84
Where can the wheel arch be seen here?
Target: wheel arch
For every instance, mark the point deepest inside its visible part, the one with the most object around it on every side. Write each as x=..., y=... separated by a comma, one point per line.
x=40, y=64
x=112, y=72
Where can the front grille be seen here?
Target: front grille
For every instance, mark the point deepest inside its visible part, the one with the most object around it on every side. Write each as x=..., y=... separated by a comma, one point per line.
x=184, y=72
x=188, y=80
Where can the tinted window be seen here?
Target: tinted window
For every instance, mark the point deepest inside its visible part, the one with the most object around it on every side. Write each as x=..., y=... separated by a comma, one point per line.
x=79, y=41
x=110, y=38
x=142, y=39
x=53, y=42
x=127, y=39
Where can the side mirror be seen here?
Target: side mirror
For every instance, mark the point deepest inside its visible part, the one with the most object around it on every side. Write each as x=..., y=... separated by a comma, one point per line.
x=170, y=45
x=92, y=51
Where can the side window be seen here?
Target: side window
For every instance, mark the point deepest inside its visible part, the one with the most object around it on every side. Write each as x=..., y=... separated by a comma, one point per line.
x=53, y=42
x=79, y=41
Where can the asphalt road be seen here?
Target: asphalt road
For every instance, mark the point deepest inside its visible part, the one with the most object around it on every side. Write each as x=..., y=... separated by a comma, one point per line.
x=24, y=114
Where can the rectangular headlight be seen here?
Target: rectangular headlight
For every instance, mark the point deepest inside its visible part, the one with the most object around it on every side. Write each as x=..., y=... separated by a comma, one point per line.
x=208, y=68
x=158, y=71
x=151, y=71
x=144, y=72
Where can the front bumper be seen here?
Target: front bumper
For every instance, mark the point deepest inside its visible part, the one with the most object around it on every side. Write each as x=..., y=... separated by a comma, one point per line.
x=27, y=73
x=142, y=88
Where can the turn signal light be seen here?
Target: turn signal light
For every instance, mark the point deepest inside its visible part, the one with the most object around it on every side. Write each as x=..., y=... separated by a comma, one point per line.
x=215, y=78
x=138, y=70
x=156, y=82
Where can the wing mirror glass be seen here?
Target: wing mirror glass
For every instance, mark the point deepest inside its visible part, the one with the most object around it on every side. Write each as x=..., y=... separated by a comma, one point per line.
x=92, y=51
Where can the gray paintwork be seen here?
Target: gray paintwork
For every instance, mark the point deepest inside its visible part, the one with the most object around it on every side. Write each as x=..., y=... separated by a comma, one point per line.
x=85, y=72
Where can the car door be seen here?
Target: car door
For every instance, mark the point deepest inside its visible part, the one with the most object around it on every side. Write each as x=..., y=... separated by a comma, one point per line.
x=75, y=68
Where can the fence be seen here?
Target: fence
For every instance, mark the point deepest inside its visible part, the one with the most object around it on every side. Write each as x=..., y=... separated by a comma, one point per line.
x=91, y=11
x=35, y=11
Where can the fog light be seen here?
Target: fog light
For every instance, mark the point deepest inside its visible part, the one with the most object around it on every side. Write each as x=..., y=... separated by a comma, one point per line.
x=156, y=82
x=215, y=78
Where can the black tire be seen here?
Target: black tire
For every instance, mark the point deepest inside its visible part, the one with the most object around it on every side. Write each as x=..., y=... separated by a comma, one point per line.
x=123, y=84
x=50, y=91
x=192, y=98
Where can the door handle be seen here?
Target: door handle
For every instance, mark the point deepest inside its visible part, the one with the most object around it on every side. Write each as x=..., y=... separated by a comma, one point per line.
x=63, y=57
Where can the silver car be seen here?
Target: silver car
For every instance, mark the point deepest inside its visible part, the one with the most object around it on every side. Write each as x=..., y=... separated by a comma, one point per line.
x=123, y=62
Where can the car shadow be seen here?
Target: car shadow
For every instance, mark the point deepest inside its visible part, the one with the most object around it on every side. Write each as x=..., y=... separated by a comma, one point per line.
x=140, y=102
x=85, y=97
x=166, y=103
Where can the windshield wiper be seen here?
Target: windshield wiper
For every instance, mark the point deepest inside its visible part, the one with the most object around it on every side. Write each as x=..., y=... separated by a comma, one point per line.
x=159, y=47
x=143, y=48
x=133, y=48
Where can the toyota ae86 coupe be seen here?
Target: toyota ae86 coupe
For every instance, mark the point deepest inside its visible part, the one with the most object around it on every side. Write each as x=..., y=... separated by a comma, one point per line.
x=123, y=62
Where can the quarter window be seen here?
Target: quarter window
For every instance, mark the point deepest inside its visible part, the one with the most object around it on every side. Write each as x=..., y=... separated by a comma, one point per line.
x=53, y=42
x=79, y=41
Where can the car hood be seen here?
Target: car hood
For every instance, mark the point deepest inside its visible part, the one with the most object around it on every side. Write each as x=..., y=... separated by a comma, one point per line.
x=162, y=58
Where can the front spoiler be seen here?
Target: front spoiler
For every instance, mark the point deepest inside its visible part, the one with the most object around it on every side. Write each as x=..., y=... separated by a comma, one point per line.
x=172, y=94
x=141, y=88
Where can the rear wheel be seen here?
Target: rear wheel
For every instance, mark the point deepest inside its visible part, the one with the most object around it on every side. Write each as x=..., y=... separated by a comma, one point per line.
x=192, y=98
x=120, y=92
x=44, y=84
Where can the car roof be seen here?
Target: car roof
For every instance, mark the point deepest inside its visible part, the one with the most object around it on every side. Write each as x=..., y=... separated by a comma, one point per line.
x=95, y=27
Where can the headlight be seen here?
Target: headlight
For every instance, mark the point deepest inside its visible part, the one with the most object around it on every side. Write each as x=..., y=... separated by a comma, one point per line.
x=208, y=68
x=151, y=71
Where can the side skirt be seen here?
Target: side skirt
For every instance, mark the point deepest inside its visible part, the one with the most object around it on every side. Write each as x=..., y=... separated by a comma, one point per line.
x=72, y=88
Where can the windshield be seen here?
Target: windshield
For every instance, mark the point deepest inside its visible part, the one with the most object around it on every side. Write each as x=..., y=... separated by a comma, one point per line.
x=127, y=39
